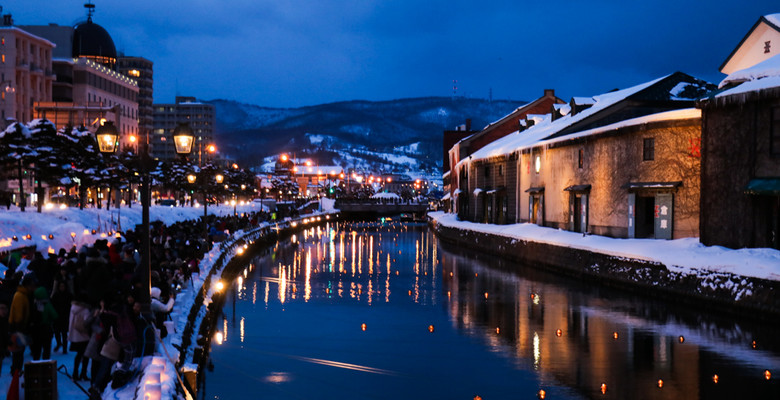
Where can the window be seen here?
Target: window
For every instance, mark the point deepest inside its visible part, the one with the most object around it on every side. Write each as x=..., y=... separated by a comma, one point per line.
x=648, y=149
x=487, y=171
x=500, y=170
x=774, y=140
x=580, y=155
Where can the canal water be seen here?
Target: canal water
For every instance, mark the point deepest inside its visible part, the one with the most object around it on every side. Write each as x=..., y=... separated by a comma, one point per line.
x=382, y=310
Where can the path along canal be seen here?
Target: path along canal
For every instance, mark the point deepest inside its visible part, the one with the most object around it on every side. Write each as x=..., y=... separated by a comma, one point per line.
x=382, y=310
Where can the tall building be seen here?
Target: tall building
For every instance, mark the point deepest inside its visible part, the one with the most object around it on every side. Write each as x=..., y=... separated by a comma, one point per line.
x=26, y=74
x=141, y=70
x=200, y=116
x=88, y=88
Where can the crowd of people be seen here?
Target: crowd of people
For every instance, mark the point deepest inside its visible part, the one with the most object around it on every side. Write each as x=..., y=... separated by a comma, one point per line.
x=87, y=300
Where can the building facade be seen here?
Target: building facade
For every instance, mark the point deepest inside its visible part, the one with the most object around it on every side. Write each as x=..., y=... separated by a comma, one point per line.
x=26, y=74
x=200, y=116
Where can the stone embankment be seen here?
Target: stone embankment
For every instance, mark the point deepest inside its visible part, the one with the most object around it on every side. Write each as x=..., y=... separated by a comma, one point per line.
x=715, y=291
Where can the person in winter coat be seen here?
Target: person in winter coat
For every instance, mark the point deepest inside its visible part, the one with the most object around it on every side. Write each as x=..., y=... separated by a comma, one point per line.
x=79, y=333
x=42, y=318
x=61, y=300
x=161, y=309
x=19, y=320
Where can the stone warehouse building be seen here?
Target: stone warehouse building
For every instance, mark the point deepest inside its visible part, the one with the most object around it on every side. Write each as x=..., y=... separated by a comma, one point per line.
x=622, y=164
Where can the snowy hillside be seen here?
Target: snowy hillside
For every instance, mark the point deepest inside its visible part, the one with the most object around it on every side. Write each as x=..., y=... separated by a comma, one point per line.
x=403, y=134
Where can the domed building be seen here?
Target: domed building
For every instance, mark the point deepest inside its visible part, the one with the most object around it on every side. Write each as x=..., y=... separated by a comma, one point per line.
x=92, y=42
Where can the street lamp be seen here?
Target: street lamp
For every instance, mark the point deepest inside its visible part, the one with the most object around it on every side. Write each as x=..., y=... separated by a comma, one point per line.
x=107, y=135
x=183, y=139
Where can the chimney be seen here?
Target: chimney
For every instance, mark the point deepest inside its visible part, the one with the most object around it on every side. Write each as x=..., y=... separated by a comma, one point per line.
x=7, y=20
x=549, y=92
x=468, y=124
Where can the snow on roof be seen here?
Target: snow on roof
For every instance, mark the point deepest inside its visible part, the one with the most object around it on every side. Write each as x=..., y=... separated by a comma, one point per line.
x=768, y=68
x=547, y=128
x=477, y=191
x=536, y=117
x=773, y=18
x=446, y=196
x=682, y=114
x=583, y=100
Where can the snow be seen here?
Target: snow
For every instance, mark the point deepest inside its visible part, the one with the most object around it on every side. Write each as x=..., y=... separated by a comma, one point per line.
x=546, y=128
x=773, y=18
x=385, y=195
x=686, y=256
x=62, y=222
x=769, y=68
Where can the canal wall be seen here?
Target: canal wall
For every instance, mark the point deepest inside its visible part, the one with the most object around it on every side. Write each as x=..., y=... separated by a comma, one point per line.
x=717, y=292
x=195, y=314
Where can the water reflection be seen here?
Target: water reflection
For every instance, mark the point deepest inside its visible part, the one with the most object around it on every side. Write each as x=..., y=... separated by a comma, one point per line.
x=608, y=345
x=387, y=309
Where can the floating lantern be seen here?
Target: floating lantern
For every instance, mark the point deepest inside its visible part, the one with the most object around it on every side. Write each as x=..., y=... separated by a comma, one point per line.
x=660, y=383
x=603, y=388
x=51, y=236
x=430, y=328
x=363, y=326
x=94, y=231
x=73, y=234
x=542, y=394
x=29, y=236
x=715, y=378
x=16, y=239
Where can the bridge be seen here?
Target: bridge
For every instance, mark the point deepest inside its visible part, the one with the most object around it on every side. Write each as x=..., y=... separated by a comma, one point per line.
x=373, y=208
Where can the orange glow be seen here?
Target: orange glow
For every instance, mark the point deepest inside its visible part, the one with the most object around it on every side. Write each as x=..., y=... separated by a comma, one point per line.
x=486, y=295
x=389, y=179
x=715, y=378
x=363, y=326
x=681, y=339
x=430, y=328
x=615, y=335
x=660, y=383
x=132, y=139
x=235, y=166
x=754, y=344
x=542, y=394
x=73, y=234
x=558, y=333
x=603, y=388
x=767, y=375
x=283, y=157
x=498, y=330
x=308, y=163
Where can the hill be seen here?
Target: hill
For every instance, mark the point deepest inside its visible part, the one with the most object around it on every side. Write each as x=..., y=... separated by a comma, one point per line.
x=383, y=135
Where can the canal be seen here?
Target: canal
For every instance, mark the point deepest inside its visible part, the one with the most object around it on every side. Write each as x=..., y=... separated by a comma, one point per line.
x=382, y=310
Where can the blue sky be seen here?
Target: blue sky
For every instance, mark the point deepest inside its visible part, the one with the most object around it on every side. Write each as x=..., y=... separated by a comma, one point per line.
x=304, y=52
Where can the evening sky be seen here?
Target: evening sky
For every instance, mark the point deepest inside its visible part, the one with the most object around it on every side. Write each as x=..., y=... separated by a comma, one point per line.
x=304, y=52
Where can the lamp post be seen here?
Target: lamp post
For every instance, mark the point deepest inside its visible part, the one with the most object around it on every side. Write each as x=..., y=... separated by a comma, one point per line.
x=108, y=142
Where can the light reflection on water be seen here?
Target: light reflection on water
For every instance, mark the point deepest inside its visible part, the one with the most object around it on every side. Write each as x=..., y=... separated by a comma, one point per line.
x=345, y=299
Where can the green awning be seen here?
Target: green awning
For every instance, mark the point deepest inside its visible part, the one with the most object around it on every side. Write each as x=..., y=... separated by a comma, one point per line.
x=764, y=186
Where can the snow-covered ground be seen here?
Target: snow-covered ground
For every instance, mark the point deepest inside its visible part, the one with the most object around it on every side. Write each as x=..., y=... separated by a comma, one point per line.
x=681, y=255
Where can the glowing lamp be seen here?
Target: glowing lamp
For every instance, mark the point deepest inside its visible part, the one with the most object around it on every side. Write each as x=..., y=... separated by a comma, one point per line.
x=430, y=328
x=614, y=335
x=767, y=374
x=660, y=383
x=15, y=239
x=73, y=234
x=93, y=232
x=542, y=394
x=498, y=330
x=191, y=178
x=486, y=295
x=603, y=388
x=218, y=337
x=51, y=236
x=715, y=378
x=558, y=333
x=681, y=339
x=363, y=326
x=219, y=286
x=183, y=139
x=211, y=148
x=106, y=136
x=283, y=158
